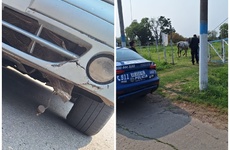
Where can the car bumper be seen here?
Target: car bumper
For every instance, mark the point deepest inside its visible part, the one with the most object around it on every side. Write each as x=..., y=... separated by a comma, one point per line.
x=124, y=94
x=70, y=68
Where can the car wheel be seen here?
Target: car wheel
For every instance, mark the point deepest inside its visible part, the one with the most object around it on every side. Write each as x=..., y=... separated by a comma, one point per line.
x=89, y=116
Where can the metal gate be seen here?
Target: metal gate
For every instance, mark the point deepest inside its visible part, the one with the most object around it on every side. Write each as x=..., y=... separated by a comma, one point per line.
x=218, y=51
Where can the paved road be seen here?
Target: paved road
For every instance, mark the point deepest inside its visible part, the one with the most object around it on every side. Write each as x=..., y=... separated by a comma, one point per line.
x=153, y=123
x=22, y=129
x=150, y=123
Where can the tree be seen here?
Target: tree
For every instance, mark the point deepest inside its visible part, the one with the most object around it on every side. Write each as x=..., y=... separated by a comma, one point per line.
x=177, y=37
x=140, y=30
x=144, y=34
x=161, y=25
x=130, y=34
x=145, y=30
x=155, y=28
x=165, y=25
x=223, y=30
x=212, y=35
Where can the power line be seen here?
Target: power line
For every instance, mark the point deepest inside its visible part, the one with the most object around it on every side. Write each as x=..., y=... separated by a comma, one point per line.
x=220, y=23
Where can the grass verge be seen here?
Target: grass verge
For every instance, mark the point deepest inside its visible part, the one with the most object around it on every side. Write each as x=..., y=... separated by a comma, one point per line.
x=180, y=81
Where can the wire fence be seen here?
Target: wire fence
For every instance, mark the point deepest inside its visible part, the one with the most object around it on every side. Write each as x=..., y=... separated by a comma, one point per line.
x=218, y=51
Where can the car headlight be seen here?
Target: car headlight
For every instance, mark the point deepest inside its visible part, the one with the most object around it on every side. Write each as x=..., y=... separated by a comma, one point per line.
x=100, y=69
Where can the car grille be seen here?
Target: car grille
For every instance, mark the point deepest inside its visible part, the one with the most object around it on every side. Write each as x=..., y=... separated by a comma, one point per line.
x=27, y=35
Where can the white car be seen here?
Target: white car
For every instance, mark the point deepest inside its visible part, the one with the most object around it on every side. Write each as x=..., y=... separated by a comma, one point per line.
x=68, y=44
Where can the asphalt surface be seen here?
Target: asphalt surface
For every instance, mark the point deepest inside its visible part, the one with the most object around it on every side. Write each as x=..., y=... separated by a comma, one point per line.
x=150, y=123
x=22, y=129
x=154, y=123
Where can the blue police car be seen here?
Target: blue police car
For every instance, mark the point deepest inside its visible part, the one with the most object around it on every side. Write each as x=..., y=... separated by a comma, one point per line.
x=135, y=75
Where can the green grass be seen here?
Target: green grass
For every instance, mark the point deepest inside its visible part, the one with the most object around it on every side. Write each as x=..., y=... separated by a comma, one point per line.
x=218, y=47
x=180, y=81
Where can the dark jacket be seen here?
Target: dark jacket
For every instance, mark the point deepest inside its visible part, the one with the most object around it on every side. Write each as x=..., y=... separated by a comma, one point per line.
x=132, y=48
x=194, y=44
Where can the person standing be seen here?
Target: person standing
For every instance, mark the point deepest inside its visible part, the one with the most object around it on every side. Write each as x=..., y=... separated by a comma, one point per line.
x=194, y=45
x=132, y=46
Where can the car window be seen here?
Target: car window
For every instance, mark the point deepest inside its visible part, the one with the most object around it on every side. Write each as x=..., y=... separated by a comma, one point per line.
x=127, y=54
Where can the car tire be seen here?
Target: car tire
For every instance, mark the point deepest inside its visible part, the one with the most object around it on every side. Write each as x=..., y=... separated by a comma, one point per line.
x=89, y=116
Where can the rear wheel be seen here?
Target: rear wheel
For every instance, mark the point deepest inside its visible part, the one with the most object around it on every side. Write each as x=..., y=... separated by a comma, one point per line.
x=89, y=115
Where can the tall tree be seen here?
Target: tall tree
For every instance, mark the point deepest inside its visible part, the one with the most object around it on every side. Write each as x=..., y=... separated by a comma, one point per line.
x=145, y=30
x=140, y=30
x=161, y=25
x=166, y=25
x=212, y=35
x=130, y=30
x=155, y=28
x=145, y=34
x=224, y=30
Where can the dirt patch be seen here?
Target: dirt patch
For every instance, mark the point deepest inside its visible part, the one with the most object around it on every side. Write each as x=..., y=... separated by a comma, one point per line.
x=206, y=114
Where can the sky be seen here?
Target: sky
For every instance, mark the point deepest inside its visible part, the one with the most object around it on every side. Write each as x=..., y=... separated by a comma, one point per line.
x=184, y=14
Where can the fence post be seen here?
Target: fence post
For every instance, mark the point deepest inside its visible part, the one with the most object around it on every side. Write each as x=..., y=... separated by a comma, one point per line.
x=223, y=49
x=171, y=45
x=165, y=53
x=209, y=53
x=149, y=50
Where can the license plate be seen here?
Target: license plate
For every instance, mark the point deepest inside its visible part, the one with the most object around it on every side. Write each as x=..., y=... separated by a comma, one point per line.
x=138, y=76
x=132, y=77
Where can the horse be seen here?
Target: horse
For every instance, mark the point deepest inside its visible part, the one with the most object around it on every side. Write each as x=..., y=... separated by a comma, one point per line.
x=182, y=45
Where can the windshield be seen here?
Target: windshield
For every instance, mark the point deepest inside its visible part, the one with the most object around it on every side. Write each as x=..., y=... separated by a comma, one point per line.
x=125, y=54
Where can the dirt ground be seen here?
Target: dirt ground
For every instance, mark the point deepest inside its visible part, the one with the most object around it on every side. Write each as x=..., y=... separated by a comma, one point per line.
x=206, y=114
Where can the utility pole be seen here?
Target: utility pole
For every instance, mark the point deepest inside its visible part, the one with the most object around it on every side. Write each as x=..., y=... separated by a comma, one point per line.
x=203, y=62
x=131, y=11
x=120, y=13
